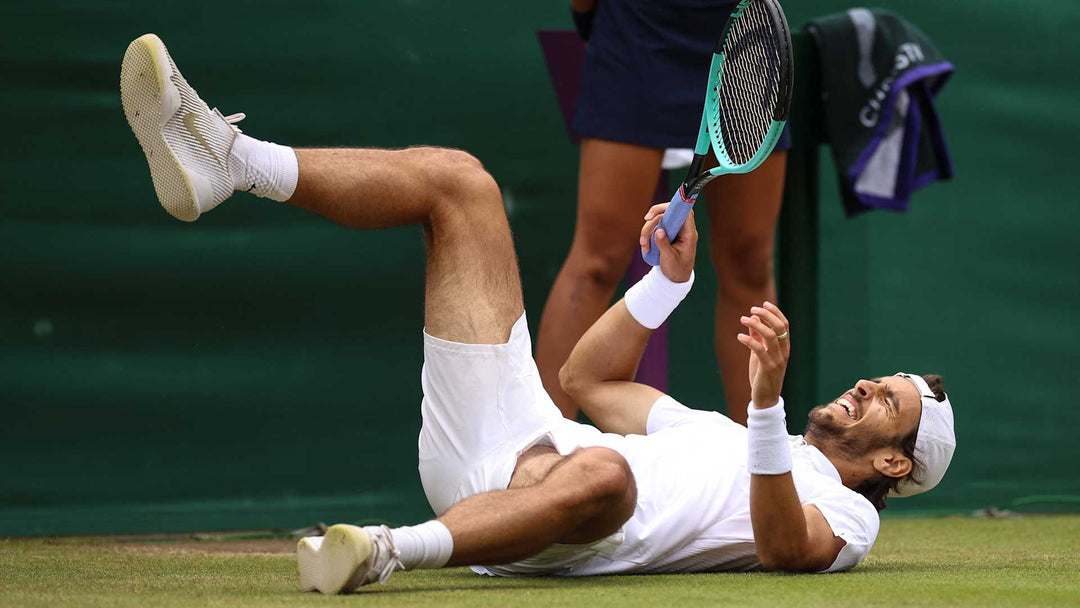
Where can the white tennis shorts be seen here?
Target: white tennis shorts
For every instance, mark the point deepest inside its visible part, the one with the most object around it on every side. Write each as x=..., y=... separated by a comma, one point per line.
x=483, y=406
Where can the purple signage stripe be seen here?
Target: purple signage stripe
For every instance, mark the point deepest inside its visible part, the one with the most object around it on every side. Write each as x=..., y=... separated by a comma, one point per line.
x=564, y=54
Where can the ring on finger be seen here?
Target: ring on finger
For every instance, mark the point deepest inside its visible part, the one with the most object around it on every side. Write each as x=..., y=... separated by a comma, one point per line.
x=782, y=336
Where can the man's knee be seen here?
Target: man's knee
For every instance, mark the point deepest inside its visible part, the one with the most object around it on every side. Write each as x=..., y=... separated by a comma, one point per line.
x=457, y=180
x=435, y=157
x=602, y=481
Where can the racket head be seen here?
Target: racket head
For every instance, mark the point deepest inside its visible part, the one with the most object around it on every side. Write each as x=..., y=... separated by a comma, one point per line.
x=749, y=90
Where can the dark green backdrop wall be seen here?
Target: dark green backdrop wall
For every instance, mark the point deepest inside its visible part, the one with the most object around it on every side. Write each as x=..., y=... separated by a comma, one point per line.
x=260, y=368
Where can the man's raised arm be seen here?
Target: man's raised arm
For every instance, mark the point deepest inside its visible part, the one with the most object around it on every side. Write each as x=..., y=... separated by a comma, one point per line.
x=788, y=535
x=600, y=371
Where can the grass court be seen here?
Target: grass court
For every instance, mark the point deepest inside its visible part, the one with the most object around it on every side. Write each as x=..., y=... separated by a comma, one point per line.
x=954, y=561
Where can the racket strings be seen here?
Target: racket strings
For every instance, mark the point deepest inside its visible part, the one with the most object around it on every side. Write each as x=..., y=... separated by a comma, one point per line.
x=748, y=87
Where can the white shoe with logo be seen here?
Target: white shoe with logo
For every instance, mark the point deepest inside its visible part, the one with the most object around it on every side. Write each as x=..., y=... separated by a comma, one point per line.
x=186, y=143
x=346, y=558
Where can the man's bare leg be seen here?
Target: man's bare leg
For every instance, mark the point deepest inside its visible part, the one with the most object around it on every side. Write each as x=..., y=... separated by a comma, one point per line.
x=473, y=295
x=583, y=498
x=473, y=290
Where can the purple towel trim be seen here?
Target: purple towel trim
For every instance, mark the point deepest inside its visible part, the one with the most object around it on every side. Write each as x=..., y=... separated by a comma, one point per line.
x=933, y=121
x=907, y=183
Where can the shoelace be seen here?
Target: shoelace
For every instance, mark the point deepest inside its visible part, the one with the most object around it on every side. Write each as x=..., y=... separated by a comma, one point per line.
x=384, y=546
x=232, y=119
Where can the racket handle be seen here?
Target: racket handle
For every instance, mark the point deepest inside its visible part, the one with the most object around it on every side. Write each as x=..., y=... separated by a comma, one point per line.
x=672, y=222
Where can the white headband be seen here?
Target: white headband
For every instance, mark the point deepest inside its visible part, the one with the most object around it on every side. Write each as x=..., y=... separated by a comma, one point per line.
x=935, y=442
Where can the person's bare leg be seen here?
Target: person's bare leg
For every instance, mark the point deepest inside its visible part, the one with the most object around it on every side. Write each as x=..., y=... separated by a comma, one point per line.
x=616, y=182
x=473, y=290
x=583, y=498
x=743, y=210
x=473, y=295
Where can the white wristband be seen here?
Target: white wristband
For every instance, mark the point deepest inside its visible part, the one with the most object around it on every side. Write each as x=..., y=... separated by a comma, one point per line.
x=654, y=297
x=769, y=442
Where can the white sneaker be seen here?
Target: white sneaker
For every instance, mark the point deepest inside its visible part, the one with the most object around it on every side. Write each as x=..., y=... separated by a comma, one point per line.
x=186, y=144
x=346, y=558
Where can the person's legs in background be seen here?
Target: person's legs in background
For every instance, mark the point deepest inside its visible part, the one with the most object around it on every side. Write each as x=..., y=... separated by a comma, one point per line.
x=743, y=211
x=616, y=182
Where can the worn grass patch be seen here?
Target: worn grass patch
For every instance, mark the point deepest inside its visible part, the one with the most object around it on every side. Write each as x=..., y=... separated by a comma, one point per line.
x=1030, y=561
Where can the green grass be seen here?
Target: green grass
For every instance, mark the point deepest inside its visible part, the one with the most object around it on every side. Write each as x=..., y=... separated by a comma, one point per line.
x=1030, y=561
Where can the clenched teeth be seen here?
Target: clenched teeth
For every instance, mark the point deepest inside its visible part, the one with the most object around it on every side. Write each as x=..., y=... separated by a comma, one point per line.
x=847, y=405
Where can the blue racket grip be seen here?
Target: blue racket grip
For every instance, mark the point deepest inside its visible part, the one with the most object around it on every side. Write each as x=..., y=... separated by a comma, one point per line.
x=672, y=222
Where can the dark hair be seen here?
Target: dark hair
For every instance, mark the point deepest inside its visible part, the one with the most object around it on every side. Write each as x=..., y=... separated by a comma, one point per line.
x=877, y=490
x=936, y=386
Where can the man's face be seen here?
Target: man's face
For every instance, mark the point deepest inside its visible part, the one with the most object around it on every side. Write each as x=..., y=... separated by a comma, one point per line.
x=872, y=414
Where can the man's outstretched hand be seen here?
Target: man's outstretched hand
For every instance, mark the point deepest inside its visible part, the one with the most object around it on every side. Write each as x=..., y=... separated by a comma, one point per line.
x=770, y=346
x=676, y=259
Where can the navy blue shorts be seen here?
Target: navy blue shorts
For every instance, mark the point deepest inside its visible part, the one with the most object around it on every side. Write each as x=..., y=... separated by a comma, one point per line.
x=646, y=69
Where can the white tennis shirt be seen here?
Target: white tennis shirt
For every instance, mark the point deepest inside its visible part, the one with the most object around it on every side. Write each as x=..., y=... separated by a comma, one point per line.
x=693, y=509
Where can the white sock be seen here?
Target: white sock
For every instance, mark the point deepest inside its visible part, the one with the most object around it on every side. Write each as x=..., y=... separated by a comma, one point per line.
x=263, y=168
x=426, y=546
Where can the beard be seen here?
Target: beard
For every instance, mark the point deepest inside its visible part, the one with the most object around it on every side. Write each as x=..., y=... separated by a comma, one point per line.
x=831, y=437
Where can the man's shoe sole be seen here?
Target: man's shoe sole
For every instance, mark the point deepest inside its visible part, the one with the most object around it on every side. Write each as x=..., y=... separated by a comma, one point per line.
x=339, y=564
x=150, y=99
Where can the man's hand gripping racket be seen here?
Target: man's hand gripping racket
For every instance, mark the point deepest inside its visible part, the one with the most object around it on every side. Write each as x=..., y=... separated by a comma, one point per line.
x=676, y=259
x=746, y=106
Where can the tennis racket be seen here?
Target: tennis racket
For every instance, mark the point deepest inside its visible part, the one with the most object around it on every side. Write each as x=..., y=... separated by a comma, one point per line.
x=746, y=105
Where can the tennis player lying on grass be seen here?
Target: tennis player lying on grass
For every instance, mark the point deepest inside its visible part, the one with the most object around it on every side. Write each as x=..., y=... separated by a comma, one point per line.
x=517, y=487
